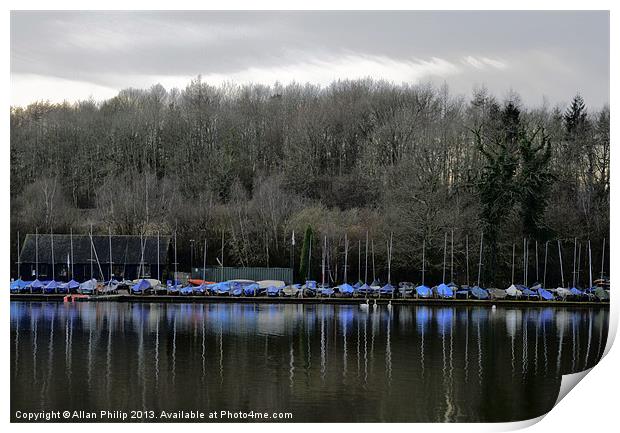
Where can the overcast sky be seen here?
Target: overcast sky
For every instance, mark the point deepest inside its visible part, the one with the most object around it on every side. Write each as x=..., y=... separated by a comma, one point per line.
x=58, y=55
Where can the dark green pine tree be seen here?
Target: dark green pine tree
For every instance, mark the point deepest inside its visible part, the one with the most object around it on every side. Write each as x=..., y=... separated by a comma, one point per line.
x=575, y=117
x=304, y=261
x=497, y=188
x=534, y=181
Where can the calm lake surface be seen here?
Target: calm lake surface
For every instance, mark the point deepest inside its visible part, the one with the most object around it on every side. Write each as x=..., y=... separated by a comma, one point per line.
x=319, y=362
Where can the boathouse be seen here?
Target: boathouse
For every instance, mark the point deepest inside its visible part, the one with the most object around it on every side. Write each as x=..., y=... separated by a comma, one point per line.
x=76, y=257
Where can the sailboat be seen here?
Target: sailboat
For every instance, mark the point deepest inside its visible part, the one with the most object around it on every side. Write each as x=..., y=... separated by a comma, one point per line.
x=345, y=289
x=543, y=293
x=573, y=292
x=364, y=289
x=310, y=287
x=463, y=291
x=53, y=285
x=423, y=291
x=324, y=289
x=599, y=292
x=513, y=291
x=388, y=289
x=142, y=286
x=111, y=285
x=442, y=290
x=477, y=291
x=90, y=287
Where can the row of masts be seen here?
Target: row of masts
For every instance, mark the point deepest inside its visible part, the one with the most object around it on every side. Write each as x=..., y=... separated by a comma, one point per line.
x=94, y=258
x=576, y=260
x=142, y=270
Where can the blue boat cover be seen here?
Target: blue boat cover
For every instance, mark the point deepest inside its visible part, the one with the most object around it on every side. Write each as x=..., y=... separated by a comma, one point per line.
x=575, y=291
x=388, y=289
x=141, y=285
x=545, y=294
x=251, y=289
x=528, y=292
x=273, y=291
x=200, y=289
x=223, y=287
x=444, y=291
x=187, y=290
x=36, y=284
x=424, y=291
x=310, y=284
x=364, y=288
x=73, y=284
x=52, y=285
x=18, y=284
x=357, y=285
x=346, y=289
x=326, y=291
x=479, y=292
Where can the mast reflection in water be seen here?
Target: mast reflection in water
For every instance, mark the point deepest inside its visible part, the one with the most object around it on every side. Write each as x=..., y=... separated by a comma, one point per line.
x=320, y=362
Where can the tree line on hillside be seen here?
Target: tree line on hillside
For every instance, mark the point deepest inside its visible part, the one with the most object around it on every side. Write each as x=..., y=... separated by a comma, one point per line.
x=254, y=163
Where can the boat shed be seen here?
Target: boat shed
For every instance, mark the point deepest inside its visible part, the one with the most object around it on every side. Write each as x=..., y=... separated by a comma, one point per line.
x=132, y=257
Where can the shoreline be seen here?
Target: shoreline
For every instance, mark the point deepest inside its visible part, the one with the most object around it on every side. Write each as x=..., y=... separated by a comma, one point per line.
x=190, y=299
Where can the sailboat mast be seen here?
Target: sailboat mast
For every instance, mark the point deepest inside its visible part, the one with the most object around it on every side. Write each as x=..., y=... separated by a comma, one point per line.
x=222, y=262
x=91, y=251
x=366, y=261
x=359, y=260
x=537, y=280
x=158, y=278
x=372, y=247
x=445, y=246
x=603, y=260
x=18, y=262
x=204, y=261
x=346, y=256
x=575, y=264
x=175, y=258
x=52, y=246
x=467, y=258
x=452, y=255
x=309, y=256
x=36, y=253
x=71, y=244
x=512, y=280
x=579, y=264
x=323, y=261
x=423, y=258
x=561, y=267
x=110, y=251
x=480, y=258
x=590, y=261
x=524, y=282
x=389, y=278
x=527, y=259
x=545, y=269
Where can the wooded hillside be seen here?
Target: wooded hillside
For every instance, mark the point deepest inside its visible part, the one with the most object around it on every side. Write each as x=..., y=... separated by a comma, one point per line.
x=258, y=162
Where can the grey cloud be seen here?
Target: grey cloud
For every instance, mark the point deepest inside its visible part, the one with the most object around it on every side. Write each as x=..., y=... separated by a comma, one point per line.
x=564, y=52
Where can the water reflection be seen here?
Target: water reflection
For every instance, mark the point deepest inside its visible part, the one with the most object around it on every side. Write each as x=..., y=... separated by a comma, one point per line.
x=321, y=362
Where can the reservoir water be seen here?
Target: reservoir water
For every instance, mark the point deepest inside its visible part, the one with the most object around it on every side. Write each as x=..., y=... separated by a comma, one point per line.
x=317, y=362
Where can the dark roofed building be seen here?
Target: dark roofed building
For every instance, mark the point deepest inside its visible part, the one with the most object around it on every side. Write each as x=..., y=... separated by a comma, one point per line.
x=93, y=259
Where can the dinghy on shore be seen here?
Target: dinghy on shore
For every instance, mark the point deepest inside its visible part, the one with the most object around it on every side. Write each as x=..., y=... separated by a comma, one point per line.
x=479, y=293
x=513, y=291
x=346, y=289
x=292, y=290
x=495, y=293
